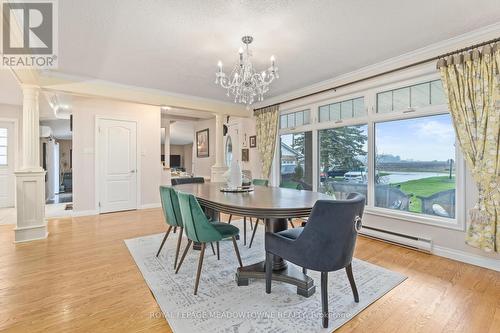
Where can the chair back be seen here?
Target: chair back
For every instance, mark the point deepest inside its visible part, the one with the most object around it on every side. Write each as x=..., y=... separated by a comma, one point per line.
x=196, y=224
x=187, y=180
x=330, y=234
x=260, y=182
x=170, y=205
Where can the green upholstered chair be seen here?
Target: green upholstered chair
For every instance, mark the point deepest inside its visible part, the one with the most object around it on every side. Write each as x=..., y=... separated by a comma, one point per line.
x=172, y=214
x=199, y=229
x=258, y=182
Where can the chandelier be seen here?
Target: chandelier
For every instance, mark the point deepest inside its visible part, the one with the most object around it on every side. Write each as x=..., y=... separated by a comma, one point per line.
x=244, y=83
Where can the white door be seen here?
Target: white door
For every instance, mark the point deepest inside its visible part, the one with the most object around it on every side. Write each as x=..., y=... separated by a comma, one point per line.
x=7, y=180
x=117, y=149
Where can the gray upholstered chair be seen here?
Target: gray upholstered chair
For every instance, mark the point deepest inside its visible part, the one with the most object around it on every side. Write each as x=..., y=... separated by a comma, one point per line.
x=325, y=244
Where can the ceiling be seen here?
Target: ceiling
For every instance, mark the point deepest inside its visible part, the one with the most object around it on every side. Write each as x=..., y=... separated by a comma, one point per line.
x=175, y=45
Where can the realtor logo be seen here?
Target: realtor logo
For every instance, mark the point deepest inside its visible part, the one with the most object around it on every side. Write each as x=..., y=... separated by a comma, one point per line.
x=29, y=36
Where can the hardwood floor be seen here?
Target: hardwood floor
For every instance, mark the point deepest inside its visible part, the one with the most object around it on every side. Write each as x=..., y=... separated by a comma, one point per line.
x=82, y=279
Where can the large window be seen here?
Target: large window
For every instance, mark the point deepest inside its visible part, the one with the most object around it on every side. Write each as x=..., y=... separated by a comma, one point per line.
x=415, y=165
x=3, y=146
x=343, y=160
x=296, y=160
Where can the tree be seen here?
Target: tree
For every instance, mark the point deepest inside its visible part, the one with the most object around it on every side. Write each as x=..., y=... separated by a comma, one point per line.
x=342, y=148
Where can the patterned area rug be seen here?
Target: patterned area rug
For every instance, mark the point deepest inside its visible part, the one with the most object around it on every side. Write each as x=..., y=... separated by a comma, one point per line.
x=222, y=306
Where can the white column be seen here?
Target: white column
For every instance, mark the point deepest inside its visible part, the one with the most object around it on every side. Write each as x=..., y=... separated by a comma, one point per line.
x=30, y=179
x=219, y=168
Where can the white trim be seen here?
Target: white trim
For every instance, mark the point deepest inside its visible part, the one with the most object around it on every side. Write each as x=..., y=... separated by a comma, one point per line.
x=468, y=258
x=151, y=205
x=138, y=162
x=78, y=213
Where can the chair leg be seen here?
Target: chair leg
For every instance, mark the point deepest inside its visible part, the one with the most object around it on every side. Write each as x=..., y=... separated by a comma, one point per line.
x=237, y=251
x=218, y=252
x=213, y=249
x=178, y=247
x=291, y=223
x=269, y=271
x=200, y=264
x=253, y=233
x=251, y=224
x=164, y=239
x=348, y=270
x=183, y=255
x=324, y=298
x=175, y=230
x=244, y=231
x=230, y=217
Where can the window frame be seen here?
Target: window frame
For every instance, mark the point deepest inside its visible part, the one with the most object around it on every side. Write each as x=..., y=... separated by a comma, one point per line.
x=370, y=119
x=7, y=159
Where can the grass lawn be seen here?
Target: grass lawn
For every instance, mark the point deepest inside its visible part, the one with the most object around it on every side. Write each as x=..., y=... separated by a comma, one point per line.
x=425, y=187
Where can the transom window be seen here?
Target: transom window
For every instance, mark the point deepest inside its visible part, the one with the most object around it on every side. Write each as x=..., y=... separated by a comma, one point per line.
x=415, y=96
x=3, y=146
x=351, y=108
x=295, y=119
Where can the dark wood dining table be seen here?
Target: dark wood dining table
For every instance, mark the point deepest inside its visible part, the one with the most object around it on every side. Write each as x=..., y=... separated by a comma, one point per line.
x=272, y=204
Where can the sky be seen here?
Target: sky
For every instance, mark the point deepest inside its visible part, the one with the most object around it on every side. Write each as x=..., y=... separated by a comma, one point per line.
x=418, y=139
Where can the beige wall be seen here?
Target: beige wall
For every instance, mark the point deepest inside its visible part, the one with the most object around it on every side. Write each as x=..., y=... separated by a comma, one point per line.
x=188, y=157
x=149, y=136
x=203, y=166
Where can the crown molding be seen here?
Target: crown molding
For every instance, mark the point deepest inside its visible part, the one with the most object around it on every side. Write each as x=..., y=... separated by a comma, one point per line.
x=476, y=36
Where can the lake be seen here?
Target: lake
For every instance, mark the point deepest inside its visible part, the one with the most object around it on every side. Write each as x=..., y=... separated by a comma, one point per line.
x=400, y=177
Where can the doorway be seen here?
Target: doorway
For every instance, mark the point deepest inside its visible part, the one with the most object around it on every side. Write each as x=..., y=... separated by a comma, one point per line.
x=117, y=171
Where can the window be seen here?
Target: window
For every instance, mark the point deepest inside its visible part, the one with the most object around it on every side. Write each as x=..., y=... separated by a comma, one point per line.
x=296, y=160
x=352, y=108
x=295, y=119
x=343, y=160
x=415, y=165
x=3, y=146
x=415, y=96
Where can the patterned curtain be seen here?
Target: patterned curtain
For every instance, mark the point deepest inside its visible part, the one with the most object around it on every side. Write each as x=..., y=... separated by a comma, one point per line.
x=267, y=128
x=471, y=82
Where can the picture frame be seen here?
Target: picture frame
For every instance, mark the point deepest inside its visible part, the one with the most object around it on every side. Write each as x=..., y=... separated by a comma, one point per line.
x=203, y=143
x=245, y=155
x=253, y=141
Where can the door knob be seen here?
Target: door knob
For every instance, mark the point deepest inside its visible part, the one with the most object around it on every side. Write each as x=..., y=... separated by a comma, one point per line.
x=132, y=171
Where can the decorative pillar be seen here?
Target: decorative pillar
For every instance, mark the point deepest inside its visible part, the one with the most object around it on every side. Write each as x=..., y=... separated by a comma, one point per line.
x=219, y=168
x=30, y=179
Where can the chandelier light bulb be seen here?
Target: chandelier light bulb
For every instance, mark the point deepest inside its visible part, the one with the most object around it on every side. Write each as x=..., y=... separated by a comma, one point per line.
x=240, y=51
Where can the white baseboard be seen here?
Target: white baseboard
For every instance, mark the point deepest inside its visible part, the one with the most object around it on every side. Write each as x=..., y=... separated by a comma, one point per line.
x=77, y=213
x=151, y=205
x=466, y=257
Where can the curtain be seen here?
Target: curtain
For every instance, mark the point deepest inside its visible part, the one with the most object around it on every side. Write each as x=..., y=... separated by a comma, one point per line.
x=471, y=83
x=267, y=128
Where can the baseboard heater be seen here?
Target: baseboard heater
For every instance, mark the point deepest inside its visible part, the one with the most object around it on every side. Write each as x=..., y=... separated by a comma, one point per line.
x=412, y=242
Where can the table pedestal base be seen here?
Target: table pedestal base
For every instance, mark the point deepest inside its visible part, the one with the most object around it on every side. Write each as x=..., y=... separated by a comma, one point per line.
x=305, y=285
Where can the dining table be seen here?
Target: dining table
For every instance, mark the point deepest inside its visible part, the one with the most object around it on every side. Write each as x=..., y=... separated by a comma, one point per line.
x=274, y=205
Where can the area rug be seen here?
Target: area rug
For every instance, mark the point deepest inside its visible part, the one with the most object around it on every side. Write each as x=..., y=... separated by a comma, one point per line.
x=222, y=306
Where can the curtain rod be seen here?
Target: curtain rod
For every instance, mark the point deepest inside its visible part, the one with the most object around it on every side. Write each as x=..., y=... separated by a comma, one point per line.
x=386, y=72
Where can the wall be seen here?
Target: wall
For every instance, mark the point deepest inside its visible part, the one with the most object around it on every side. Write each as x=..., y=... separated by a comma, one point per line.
x=203, y=166
x=188, y=157
x=149, y=136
